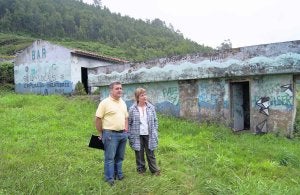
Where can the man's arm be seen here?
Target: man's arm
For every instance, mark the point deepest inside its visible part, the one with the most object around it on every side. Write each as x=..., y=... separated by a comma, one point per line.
x=126, y=124
x=98, y=124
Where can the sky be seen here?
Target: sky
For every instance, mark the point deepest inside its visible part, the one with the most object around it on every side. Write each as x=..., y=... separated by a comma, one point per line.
x=211, y=22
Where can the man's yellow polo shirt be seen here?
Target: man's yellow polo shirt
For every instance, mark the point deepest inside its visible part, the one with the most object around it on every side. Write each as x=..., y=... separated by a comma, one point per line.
x=112, y=113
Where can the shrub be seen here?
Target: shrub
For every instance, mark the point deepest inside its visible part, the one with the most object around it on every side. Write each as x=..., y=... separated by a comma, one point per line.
x=79, y=89
x=297, y=121
x=6, y=72
x=7, y=87
x=97, y=91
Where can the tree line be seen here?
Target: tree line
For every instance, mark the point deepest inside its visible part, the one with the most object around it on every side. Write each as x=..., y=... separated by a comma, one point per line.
x=77, y=21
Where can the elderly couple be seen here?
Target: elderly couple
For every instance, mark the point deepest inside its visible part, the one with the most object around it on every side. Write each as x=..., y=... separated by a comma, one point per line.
x=115, y=125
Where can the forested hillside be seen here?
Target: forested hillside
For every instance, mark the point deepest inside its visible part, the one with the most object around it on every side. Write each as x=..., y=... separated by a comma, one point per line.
x=93, y=28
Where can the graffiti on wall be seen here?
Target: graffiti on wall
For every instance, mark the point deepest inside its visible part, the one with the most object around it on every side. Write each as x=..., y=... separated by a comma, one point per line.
x=50, y=74
x=164, y=95
x=37, y=54
x=212, y=95
x=56, y=87
x=264, y=103
x=262, y=127
x=42, y=79
x=287, y=89
x=218, y=57
x=156, y=93
x=281, y=97
x=171, y=94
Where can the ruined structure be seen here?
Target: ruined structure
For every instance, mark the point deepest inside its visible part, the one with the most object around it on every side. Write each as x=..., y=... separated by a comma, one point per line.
x=46, y=68
x=249, y=88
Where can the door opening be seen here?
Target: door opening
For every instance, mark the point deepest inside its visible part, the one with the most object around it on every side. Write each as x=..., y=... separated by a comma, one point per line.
x=240, y=106
x=84, y=79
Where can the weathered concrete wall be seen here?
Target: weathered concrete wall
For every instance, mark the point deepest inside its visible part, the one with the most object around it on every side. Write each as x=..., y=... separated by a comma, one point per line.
x=77, y=62
x=213, y=100
x=164, y=95
x=277, y=58
x=204, y=84
x=188, y=91
x=272, y=104
x=46, y=68
x=43, y=68
x=271, y=98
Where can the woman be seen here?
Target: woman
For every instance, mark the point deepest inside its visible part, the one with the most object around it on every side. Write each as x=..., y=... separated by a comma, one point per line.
x=142, y=129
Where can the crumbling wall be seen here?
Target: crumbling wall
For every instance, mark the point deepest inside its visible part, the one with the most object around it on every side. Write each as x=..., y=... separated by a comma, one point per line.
x=272, y=104
x=213, y=100
x=199, y=86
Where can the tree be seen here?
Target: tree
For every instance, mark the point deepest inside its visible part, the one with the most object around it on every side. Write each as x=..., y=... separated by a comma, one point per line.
x=225, y=45
x=97, y=3
x=75, y=20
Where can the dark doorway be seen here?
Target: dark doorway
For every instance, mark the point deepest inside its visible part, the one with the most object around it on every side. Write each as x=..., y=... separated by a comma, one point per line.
x=240, y=106
x=84, y=79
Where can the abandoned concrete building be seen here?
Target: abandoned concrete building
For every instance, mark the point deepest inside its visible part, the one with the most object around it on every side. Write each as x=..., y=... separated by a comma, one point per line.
x=249, y=88
x=46, y=68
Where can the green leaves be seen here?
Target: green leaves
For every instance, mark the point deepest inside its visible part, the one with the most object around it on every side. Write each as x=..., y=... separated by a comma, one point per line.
x=6, y=73
x=129, y=38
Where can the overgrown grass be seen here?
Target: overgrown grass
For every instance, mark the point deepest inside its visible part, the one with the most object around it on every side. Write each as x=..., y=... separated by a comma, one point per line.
x=43, y=150
x=11, y=43
x=95, y=47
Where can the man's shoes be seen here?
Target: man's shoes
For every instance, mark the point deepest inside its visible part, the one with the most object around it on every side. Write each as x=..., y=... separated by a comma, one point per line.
x=121, y=178
x=118, y=178
x=157, y=173
x=141, y=172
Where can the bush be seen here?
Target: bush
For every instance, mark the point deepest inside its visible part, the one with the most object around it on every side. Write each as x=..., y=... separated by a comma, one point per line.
x=97, y=91
x=6, y=72
x=297, y=118
x=7, y=87
x=79, y=89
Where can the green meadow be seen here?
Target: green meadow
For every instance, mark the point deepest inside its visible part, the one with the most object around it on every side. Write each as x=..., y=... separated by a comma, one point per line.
x=43, y=150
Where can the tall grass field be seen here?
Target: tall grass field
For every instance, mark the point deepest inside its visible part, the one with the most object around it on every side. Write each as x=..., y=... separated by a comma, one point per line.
x=43, y=150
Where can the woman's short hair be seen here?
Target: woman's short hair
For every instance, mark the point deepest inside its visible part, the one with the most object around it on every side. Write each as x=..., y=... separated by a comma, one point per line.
x=138, y=92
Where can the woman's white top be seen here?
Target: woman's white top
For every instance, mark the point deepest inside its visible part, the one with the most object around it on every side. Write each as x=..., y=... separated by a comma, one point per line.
x=143, y=118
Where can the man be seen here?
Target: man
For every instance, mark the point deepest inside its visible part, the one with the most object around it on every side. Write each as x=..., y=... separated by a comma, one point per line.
x=112, y=123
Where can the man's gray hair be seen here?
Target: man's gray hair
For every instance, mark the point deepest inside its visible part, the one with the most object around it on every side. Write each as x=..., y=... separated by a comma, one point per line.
x=111, y=86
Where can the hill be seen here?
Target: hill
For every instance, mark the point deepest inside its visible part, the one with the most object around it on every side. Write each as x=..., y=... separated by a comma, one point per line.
x=93, y=28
